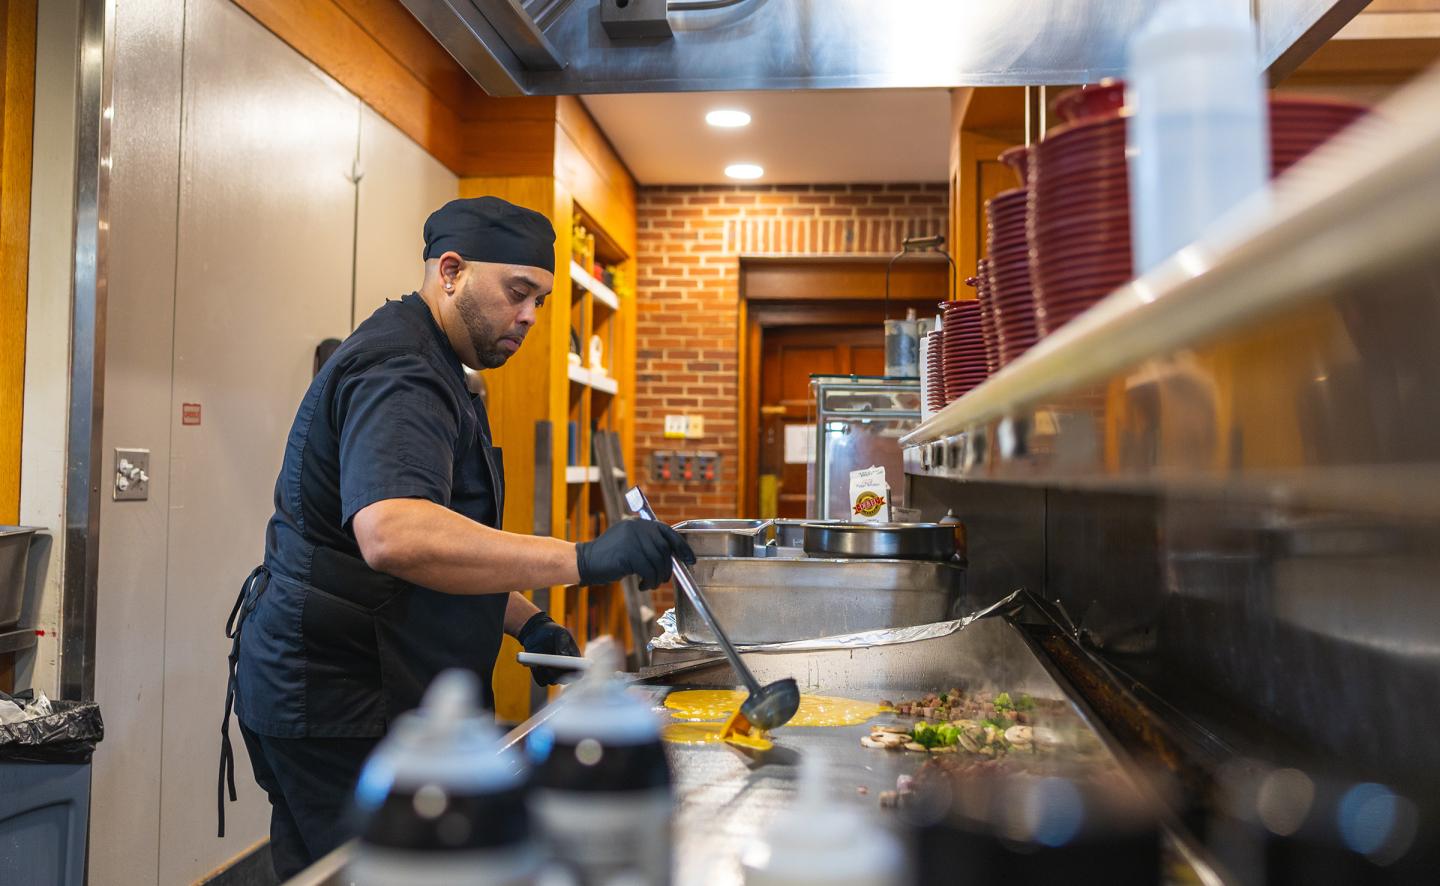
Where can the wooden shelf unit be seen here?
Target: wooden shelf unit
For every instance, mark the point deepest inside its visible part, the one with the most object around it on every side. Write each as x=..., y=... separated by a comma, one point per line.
x=552, y=158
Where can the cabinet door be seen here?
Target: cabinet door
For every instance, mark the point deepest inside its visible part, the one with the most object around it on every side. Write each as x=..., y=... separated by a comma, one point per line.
x=263, y=274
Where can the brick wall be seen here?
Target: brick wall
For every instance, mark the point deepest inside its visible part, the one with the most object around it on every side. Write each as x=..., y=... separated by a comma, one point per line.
x=690, y=240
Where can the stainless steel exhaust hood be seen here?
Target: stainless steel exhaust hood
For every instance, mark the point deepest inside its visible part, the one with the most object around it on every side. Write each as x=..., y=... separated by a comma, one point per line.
x=563, y=47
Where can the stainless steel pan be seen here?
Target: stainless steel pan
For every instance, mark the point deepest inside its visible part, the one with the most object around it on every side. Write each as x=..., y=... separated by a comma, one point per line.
x=886, y=541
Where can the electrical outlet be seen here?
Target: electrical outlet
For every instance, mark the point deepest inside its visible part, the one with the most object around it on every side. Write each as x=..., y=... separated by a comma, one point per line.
x=676, y=426
x=694, y=427
x=662, y=466
x=707, y=467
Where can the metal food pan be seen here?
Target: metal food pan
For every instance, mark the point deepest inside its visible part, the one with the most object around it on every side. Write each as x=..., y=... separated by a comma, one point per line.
x=724, y=538
x=14, y=558
x=898, y=541
x=775, y=599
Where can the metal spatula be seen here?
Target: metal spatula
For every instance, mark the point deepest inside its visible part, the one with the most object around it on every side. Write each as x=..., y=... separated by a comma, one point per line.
x=768, y=707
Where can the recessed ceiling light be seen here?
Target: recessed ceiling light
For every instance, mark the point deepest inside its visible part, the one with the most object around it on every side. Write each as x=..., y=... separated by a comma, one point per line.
x=744, y=170
x=727, y=118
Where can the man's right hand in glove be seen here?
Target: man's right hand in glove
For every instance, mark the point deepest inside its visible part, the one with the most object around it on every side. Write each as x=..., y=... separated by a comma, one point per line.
x=632, y=547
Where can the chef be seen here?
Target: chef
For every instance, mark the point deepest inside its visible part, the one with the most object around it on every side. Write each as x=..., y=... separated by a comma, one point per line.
x=384, y=561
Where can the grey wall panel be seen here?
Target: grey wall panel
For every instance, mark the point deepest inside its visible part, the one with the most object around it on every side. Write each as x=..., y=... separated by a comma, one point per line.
x=266, y=219
x=400, y=185
x=130, y=662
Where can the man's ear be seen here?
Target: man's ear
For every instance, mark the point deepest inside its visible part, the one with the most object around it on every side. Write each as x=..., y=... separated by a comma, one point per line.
x=451, y=264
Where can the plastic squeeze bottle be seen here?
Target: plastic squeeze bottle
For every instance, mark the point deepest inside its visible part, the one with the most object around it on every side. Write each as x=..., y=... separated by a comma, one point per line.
x=821, y=841
x=1198, y=139
x=442, y=804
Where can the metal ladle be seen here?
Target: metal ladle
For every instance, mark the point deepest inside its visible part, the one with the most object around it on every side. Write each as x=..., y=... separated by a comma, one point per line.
x=768, y=707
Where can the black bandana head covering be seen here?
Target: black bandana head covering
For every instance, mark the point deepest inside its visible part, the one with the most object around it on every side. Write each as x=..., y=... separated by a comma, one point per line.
x=489, y=229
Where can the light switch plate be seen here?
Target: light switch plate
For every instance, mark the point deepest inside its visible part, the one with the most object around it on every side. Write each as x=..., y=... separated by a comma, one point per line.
x=676, y=427
x=132, y=475
x=694, y=427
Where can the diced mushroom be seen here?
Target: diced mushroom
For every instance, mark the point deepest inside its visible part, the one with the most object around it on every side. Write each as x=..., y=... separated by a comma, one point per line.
x=1019, y=735
x=868, y=742
x=915, y=746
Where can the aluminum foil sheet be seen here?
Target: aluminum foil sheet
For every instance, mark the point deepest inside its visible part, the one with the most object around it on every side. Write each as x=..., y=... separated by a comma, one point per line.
x=670, y=639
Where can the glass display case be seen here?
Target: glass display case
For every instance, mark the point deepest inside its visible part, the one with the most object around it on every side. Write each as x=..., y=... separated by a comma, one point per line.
x=858, y=421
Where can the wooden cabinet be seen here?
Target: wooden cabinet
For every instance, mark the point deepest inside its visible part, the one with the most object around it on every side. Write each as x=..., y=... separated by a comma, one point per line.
x=541, y=399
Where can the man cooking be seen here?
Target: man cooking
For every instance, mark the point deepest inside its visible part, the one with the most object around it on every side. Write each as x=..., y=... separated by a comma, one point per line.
x=384, y=561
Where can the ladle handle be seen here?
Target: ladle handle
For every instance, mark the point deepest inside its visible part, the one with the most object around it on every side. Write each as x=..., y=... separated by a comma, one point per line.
x=640, y=505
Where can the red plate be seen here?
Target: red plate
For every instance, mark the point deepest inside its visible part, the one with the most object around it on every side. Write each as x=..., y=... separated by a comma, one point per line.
x=1083, y=294
x=1088, y=180
x=1108, y=162
x=1096, y=101
x=1081, y=129
x=1104, y=222
x=1058, y=253
x=1065, y=260
x=1079, y=144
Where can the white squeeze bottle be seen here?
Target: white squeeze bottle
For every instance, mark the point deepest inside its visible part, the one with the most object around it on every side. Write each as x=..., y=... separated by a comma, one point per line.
x=822, y=841
x=442, y=804
x=1198, y=139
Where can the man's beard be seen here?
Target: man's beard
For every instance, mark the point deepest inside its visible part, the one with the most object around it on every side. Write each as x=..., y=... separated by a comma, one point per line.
x=484, y=337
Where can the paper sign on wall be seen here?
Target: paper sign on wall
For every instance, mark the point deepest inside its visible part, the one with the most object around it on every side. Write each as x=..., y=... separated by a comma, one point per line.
x=799, y=444
x=189, y=413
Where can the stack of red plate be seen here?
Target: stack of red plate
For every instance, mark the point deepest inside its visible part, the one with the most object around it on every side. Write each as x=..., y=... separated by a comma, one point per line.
x=1010, y=289
x=964, y=348
x=1300, y=124
x=934, y=370
x=981, y=283
x=1080, y=207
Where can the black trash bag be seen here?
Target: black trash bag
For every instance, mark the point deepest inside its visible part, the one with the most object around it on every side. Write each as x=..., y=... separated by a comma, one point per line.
x=68, y=735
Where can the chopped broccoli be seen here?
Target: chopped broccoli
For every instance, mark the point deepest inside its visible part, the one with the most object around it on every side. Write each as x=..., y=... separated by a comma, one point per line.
x=1003, y=703
x=1026, y=703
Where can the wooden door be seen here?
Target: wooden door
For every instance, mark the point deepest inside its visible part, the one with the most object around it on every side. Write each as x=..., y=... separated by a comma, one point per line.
x=789, y=356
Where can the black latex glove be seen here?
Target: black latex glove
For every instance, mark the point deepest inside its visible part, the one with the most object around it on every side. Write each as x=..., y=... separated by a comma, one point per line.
x=632, y=547
x=542, y=635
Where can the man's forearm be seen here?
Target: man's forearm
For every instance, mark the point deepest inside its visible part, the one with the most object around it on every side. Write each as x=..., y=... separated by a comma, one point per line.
x=434, y=547
x=518, y=610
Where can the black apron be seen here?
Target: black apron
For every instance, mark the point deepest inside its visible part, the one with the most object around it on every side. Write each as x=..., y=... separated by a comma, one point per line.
x=370, y=639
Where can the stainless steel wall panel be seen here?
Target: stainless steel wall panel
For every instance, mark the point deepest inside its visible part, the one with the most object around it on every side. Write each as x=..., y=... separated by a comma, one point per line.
x=265, y=260
x=400, y=185
x=829, y=44
x=130, y=655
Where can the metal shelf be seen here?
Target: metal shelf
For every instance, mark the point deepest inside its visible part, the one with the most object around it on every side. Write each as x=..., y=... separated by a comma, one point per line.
x=585, y=280
x=1290, y=301
x=604, y=383
x=17, y=640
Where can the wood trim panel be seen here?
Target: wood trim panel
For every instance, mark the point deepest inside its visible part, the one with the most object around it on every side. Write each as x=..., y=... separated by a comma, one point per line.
x=803, y=279
x=508, y=137
x=979, y=177
x=589, y=166
x=17, y=94
x=389, y=23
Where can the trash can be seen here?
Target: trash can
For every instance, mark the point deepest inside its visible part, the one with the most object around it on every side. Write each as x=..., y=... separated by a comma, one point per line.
x=45, y=794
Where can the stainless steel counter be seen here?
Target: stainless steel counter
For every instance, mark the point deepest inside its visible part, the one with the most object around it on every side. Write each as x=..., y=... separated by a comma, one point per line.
x=726, y=799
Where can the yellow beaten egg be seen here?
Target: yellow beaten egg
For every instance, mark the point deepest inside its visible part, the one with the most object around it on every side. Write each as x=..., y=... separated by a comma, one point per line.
x=709, y=733
x=815, y=710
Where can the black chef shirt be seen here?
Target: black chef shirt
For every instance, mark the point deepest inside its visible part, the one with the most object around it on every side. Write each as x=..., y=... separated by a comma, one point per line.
x=334, y=648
